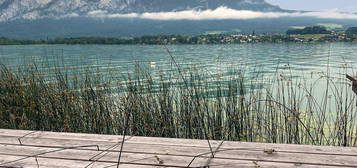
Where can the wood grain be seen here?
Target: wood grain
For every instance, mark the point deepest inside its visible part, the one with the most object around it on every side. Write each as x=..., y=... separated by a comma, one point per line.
x=20, y=148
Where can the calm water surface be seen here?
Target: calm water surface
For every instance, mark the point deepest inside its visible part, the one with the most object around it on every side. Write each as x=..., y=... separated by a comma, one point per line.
x=299, y=60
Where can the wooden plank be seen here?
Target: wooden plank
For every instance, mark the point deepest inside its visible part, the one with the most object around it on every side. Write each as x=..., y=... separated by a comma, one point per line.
x=111, y=139
x=110, y=157
x=222, y=163
x=55, y=142
x=185, y=150
x=308, y=159
x=258, y=155
x=60, y=135
x=179, y=152
x=353, y=79
x=106, y=138
x=132, y=147
x=59, y=163
x=293, y=148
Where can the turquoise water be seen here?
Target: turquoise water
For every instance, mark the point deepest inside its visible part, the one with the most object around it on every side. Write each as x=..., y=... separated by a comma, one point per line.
x=298, y=60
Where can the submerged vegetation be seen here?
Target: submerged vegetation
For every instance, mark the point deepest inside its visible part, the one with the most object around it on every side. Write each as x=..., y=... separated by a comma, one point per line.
x=180, y=103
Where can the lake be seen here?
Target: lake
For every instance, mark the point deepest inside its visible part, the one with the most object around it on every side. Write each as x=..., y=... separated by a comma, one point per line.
x=296, y=60
x=291, y=93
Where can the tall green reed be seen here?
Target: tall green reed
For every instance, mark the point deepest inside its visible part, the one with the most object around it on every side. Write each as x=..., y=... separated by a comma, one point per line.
x=192, y=104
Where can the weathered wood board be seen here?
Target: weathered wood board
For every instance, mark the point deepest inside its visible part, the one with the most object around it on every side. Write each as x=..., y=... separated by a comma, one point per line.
x=353, y=79
x=19, y=148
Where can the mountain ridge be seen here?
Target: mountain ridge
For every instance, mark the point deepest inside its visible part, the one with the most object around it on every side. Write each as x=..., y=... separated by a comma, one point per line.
x=35, y=9
x=42, y=19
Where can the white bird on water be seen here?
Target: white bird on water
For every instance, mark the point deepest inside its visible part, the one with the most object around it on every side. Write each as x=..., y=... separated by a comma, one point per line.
x=152, y=64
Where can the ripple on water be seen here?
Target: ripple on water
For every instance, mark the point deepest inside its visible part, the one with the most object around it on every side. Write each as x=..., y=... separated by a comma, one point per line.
x=297, y=59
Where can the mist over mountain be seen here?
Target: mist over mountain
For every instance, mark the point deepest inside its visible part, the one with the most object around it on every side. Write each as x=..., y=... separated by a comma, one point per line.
x=34, y=9
x=118, y=18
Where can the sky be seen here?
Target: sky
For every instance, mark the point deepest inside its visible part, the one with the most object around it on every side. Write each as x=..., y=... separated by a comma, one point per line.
x=317, y=5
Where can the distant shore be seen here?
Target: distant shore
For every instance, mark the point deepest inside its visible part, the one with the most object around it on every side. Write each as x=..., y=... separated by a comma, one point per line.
x=298, y=35
x=338, y=36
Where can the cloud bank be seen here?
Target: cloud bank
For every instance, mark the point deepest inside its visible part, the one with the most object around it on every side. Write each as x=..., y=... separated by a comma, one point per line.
x=222, y=13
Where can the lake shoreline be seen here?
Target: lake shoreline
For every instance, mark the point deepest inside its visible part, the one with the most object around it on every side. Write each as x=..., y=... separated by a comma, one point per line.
x=191, y=40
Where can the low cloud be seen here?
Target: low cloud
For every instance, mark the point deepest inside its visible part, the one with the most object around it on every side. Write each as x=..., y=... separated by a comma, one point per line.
x=105, y=14
x=223, y=13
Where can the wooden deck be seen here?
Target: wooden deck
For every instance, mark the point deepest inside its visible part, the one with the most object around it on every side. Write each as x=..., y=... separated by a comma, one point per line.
x=20, y=148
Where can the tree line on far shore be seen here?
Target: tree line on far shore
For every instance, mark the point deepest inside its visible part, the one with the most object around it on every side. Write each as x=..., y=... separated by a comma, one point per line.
x=348, y=35
x=318, y=30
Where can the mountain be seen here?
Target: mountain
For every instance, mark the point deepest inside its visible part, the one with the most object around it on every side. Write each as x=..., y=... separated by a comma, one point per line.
x=35, y=9
x=39, y=19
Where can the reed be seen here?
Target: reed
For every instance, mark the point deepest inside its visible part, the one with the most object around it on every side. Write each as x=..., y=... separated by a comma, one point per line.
x=183, y=103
